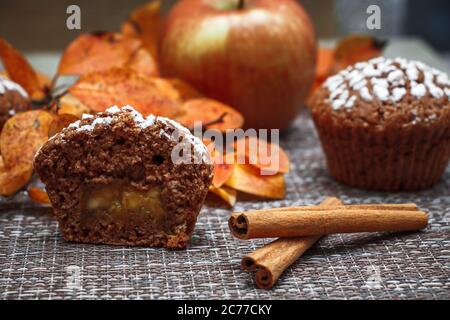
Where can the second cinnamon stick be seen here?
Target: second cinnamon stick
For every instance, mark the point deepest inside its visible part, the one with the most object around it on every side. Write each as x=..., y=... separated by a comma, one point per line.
x=270, y=261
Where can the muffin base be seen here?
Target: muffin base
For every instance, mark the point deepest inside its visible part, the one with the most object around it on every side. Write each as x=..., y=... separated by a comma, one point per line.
x=135, y=232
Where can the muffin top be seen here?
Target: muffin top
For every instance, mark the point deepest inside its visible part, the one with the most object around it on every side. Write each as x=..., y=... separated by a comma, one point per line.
x=385, y=92
x=13, y=99
x=129, y=120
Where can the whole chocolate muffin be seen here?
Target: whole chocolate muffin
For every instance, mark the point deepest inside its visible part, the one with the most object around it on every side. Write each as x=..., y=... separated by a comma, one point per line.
x=385, y=124
x=118, y=178
x=13, y=99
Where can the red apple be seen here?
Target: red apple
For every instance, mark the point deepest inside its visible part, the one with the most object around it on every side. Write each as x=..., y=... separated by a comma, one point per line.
x=258, y=56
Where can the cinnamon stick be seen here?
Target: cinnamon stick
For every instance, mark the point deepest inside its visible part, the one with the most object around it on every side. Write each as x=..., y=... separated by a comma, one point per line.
x=270, y=261
x=401, y=207
x=304, y=221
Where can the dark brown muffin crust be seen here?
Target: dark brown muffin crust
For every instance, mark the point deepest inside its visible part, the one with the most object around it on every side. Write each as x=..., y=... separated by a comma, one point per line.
x=13, y=99
x=385, y=124
x=119, y=147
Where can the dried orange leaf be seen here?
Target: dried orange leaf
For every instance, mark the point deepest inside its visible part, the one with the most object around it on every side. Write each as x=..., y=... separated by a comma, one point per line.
x=184, y=89
x=325, y=67
x=22, y=136
x=100, y=90
x=38, y=195
x=143, y=63
x=227, y=194
x=97, y=52
x=222, y=170
x=19, y=70
x=325, y=62
x=349, y=50
x=246, y=178
x=208, y=112
x=145, y=23
x=44, y=80
x=223, y=165
x=68, y=104
x=60, y=122
x=12, y=180
x=268, y=157
x=356, y=48
x=166, y=87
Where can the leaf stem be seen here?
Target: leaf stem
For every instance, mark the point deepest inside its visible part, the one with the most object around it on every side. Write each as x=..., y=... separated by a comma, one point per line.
x=220, y=119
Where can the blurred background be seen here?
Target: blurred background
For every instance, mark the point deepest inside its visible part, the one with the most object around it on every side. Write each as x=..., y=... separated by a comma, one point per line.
x=40, y=25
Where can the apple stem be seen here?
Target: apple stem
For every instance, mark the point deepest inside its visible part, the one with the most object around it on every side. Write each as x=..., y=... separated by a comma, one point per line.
x=241, y=4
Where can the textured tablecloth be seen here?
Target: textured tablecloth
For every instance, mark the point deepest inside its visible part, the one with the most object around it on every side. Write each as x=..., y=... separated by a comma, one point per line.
x=36, y=263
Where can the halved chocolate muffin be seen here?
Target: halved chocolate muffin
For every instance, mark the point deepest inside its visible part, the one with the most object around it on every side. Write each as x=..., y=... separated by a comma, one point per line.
x=13, y=99
x=119, y=178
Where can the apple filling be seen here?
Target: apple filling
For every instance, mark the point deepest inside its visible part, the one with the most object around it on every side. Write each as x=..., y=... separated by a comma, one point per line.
x=119, y=200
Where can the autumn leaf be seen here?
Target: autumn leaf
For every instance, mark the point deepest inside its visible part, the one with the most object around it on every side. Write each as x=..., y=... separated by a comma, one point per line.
x=324, y=68
x=20, y=139
x=101, y=51
x=222, y=173
x=185, y=90
x=12, y=180
x=348, y=51
x=38, y=195
x=143, y=63
x=223, y=165
x=176, y=88
x=60, y=122
x=100, y=90
x=246, y=178
x=23, y=135
x=145, y=24
x=254, y=175
x=68, y=104
x=209, y=111
x=44, y=80
x=356, y=48
x=20, y=71
x=228, y=195
x=270, y=158
x=325, y=62
x=222, y=169
x=166, y=87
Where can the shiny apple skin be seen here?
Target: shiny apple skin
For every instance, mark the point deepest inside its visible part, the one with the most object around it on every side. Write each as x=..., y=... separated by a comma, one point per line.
x=260, y=59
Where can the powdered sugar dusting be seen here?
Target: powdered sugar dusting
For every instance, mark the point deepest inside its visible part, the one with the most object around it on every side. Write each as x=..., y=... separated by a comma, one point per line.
x=86, y=116
x=6, y=84
x=113, y=110
x=350, y=102
x=365, y=94
x=398, y=94
x=199, y=148
x=386, y=80
x=418, y=90
x=447, y=92
x=381, y=92
x=74, y=125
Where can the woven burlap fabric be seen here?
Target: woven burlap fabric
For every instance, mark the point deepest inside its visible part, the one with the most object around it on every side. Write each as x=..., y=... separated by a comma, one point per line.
x=35, y=263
